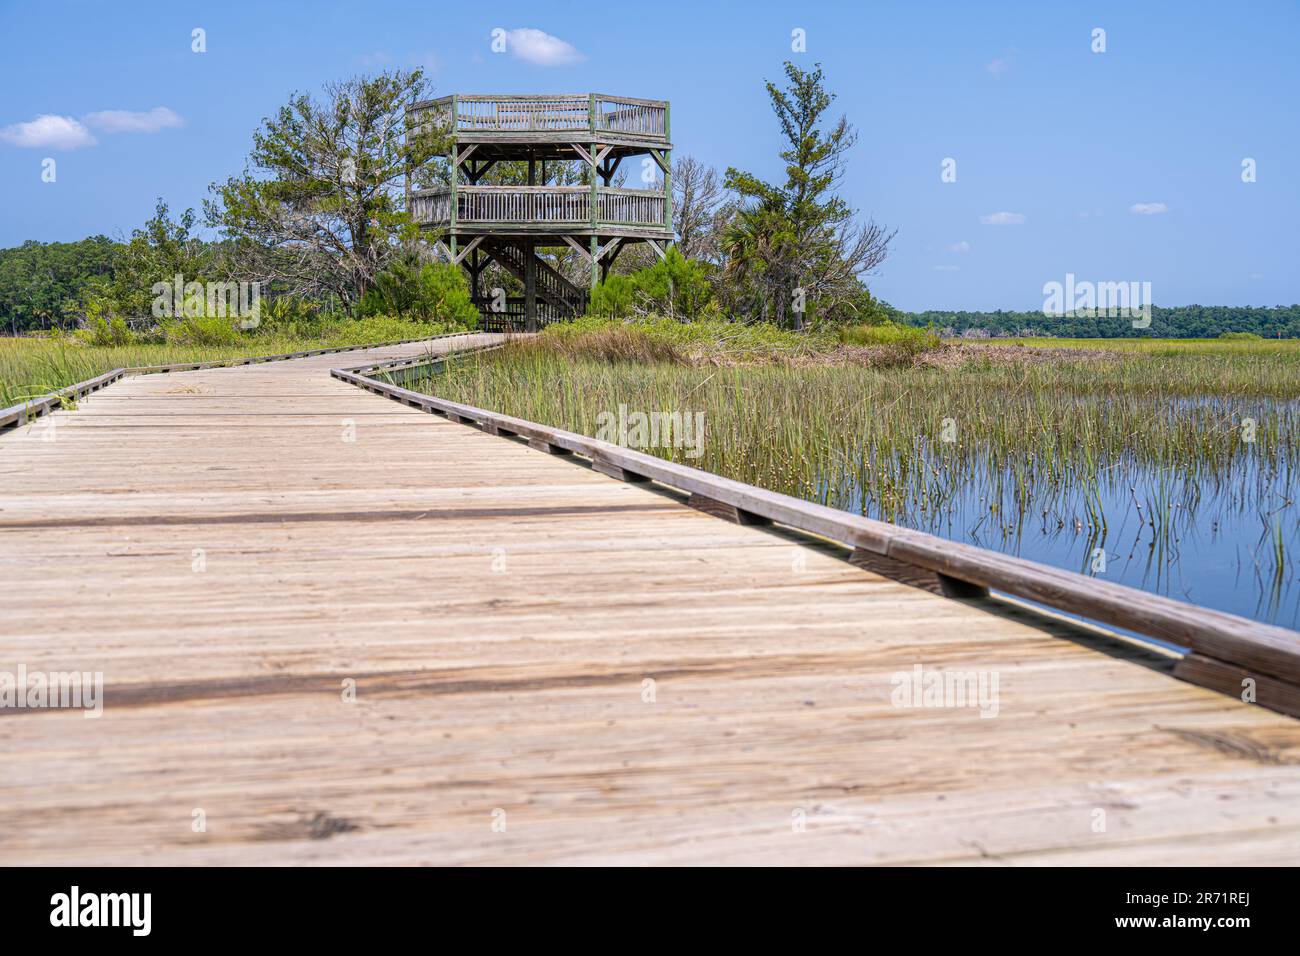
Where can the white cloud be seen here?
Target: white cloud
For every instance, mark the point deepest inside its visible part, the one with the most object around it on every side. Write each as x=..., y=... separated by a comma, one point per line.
x=1002, y=219
x=962, y=246
x=49, y=131
x=1148, y=208
x=999, y=66
x=946, y=268
x=541, y=49
x=126, y=121
x=373, y=59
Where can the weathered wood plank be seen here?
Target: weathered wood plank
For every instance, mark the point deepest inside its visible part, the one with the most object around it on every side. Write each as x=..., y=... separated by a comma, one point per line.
x=914, y=576
x=1236, y=681
x=720, y=509
x=615, y=471
x=539, y=445
x=246, y=540
x=1259, y=647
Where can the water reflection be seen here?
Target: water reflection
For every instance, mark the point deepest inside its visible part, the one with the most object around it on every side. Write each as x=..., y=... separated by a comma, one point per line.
x=1224, y=541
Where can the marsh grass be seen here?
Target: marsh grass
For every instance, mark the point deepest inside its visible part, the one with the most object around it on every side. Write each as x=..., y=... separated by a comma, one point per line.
x=1159, y=368
x=831, y=433
x=899, y=344
x=31, y=367
x=1038, y=446
x=653, y=339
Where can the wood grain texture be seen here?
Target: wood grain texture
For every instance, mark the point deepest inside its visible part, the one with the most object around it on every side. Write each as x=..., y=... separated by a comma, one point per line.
x=962, y=569
x=627, y=679
x=1239, y=682
x=720, y=509
x=915, y=576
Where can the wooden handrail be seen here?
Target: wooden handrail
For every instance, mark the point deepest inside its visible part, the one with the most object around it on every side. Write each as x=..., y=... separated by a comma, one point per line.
x=1237, y=643
x=539, y=204
x=625, y=116
x=19, y=414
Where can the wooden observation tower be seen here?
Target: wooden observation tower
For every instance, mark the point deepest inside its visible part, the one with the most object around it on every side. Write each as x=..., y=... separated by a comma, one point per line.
x=475, y=224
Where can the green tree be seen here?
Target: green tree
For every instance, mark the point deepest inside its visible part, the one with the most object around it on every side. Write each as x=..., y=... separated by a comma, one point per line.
x=164, y=249
x=320, y=210
x=798, y=243
x=760, y=272
x=42, y=283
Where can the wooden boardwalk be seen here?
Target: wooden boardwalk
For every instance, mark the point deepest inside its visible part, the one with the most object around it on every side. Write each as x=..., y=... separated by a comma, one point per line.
x=229, y=547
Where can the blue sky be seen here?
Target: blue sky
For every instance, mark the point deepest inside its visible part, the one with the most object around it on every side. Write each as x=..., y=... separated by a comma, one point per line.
x=1067, y=140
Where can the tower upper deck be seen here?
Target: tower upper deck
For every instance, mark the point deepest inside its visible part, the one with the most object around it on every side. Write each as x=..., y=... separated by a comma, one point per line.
x=497, y=123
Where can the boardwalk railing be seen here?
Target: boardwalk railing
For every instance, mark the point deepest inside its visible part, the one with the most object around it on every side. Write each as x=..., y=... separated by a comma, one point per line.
x=1225, y=652
x=590, y=113
x=570, y=205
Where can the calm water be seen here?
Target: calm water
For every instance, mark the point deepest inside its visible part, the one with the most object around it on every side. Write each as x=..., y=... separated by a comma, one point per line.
x=1223, y=533
x=1207, y=541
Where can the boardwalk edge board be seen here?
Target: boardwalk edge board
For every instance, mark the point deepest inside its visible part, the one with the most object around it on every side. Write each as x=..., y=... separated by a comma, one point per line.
x=17, y=415
x=1225, y=652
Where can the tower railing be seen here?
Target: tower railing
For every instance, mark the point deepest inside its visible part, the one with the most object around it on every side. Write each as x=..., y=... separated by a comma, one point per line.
x=540, y=204
x=591, y=113
x=486, y=138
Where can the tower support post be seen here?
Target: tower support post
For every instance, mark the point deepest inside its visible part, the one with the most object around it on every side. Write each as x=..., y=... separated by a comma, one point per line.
x=530, y=286
x=668, y=179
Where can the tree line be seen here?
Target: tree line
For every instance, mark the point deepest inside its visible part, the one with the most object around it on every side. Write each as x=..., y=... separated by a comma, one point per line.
x=1177, y=322
x=319, y=218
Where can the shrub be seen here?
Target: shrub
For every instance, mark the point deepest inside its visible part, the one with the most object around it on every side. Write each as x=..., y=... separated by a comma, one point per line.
x=381, y=328
x=654, y=338
x=102, y=332
x=434, y=292
x=288, y=316
x=899, y=344
x=1240, y=337
x=200, y=330
x=614, y=297
x=675, y=286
